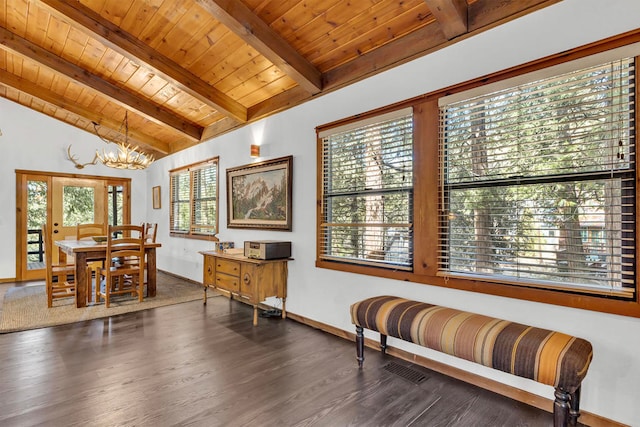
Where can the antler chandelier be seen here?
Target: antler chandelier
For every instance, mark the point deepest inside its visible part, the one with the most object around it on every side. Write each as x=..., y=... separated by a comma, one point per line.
x=125, y=156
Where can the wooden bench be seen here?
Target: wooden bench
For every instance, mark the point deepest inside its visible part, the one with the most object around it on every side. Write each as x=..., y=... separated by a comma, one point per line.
x=548, y=357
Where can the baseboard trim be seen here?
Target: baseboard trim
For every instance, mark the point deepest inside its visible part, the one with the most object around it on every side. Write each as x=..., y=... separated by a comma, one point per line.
x=586, y=418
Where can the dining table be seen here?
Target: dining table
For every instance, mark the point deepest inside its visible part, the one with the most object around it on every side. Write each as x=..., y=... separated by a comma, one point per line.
x=87, y=251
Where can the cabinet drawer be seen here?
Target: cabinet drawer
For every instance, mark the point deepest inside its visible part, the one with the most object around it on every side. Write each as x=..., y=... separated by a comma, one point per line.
x=228, y=267
x=227, y=282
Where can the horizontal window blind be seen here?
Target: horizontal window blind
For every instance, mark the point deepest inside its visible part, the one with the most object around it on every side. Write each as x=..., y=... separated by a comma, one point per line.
x=194, y=199
x=205, y=193
x=367, y=192
x=180, y=202
x=538, y=182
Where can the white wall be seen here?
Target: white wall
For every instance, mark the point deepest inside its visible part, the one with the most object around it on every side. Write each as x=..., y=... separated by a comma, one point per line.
x=612, y=386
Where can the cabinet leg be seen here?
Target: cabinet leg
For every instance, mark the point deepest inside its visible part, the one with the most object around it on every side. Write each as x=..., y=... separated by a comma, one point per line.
x=284, y=311
x=255, y=315
x=205, y=296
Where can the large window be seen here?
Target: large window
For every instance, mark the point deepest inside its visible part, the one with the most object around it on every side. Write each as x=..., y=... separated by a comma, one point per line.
x=194, y=200
x=521, y=184
x=538, y=180
x=367, y=192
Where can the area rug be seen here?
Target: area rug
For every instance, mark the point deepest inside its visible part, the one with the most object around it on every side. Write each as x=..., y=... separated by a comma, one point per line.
x=26, y=307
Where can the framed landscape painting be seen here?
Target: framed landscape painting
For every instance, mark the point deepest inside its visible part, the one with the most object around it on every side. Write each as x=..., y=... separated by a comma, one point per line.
x=259, y=195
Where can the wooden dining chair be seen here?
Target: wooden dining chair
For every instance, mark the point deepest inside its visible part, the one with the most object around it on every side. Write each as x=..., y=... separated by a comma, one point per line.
x=150, y=232
x=120, y=278
x=88, y=232
x=60, y=277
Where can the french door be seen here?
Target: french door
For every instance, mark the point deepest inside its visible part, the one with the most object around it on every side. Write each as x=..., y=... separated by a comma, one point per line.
x=75, y=201
x=62, y=201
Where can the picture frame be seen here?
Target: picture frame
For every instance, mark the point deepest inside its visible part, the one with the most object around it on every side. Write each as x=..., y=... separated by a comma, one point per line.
x=155, y=195
x=259, y=195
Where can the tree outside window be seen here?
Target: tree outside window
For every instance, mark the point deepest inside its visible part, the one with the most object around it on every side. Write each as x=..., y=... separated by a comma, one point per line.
x=194, y=200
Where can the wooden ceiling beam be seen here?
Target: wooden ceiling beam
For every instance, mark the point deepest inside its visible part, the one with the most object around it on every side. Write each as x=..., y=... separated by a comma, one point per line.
x=146, y=143
x=413, y=45
x=155, y=113
x=280, y=102
x=112, y=36
x=218, y=128
x=482, y=15
x=451, y=15
x=486, y=14
x=256, y=33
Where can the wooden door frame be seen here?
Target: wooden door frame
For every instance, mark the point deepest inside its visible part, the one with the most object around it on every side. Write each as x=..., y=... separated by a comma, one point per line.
x=22, y=176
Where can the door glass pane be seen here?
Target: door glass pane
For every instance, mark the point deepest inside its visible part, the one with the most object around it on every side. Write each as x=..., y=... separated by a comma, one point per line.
x=115, y=201
x=77, y=205
x=36, y=216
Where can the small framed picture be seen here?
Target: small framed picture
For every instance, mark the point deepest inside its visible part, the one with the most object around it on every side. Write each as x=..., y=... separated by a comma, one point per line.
x=156, y=197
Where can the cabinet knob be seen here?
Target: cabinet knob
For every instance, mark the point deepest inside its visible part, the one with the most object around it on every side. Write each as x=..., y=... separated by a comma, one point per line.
x=247, y=278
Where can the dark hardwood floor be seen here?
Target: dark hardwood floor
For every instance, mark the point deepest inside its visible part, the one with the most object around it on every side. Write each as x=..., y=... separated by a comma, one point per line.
x=196, y=365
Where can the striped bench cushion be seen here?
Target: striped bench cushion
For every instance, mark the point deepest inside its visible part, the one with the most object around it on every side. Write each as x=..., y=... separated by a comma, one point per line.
x=544, y=356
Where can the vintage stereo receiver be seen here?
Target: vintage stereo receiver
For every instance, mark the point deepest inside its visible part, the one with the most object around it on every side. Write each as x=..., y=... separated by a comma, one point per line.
x=267, y=249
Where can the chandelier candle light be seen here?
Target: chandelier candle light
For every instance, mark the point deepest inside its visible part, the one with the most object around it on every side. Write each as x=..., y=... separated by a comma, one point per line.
x=126, y=156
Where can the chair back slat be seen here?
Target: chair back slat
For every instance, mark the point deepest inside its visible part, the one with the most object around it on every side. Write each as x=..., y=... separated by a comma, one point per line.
x=150, y=232
x=126, y=241
x=87, y=231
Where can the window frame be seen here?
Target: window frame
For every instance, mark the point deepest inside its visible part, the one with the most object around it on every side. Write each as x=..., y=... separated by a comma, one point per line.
x=427, y=194
x=326, y=226
x=191, y=169
x=468, y=109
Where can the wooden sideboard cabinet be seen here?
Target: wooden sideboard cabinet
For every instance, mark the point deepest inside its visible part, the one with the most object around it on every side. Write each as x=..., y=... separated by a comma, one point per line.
x=250, y=280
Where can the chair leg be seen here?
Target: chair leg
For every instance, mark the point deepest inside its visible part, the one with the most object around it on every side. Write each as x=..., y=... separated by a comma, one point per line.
x=97, y=286
x=359, y=346
x=574, y=410
x=140, y=289
x=383, y=344
x=88, y=284
x=107, y=294
x=561, y=408
x=49, y=295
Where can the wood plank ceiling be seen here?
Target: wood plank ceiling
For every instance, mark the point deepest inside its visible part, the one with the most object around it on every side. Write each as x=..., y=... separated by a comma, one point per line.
x=188, y=70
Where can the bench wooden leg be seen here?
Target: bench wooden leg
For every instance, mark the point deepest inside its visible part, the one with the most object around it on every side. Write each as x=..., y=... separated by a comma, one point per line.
x=383, y=343
x=574, y=410
x=561, y=408
x=359, y=346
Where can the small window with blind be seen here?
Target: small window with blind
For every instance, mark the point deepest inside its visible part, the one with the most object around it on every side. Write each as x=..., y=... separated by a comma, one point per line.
x=367, y=192
x=194, y=200
x=538, y=179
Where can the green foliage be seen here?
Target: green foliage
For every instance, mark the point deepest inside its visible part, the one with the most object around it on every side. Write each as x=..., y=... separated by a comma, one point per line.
x=36, y=204
x=524, y=176
x=78, y=205
x=368, y=184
